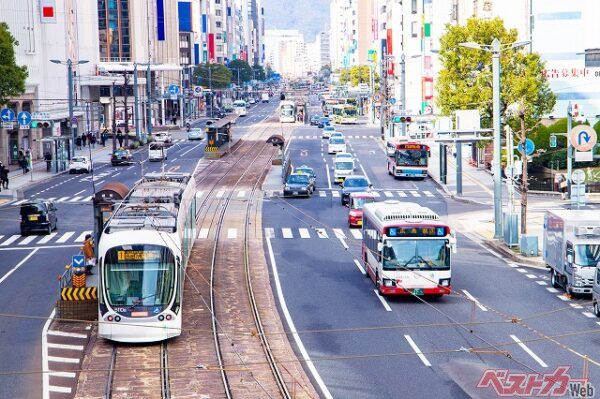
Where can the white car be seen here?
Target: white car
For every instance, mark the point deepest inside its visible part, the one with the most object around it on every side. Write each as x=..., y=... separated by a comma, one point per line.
x=195, y=133
x=251, y=101
x=337, y=134
x=327, y=131
x=343, y=156
x=336, y=144
x=157, y=152
x=163, y=137
x=80, y=164
x=342, y=168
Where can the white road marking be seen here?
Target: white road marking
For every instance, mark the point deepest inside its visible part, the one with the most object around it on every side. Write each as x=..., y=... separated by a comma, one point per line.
x=529, y=351
x=401, y=194
x=335, y=194
x=47, y=238
x=79, y=192
x=588, y=314
x=563, y=298
x=232, y=233
x=241, y=194
x=287, y=232
x=375, y=194
x=45, y=367
x=81, y=237
x=365, y=173
x=65, y=346
x=20, y=202
x=63, y=374
x=322, y=193
x=414, y=193
x=522, y=271
x=269, y=232
x=513, y=265
x=322, y=233
x=59, y=359
x=414, y=346
x=328, y=175
x=356, y=234
x=343, y=242
x=87, y=199
x=66, y=334
x=11, y=271
x=383, y=301
x=75, y=199
x=63, y=199
x=10, y=240
x=362, y=270
x=339, y=233
x=575, y=306
x=27, y=240
x=65, y=237
x=542, y=282
x=471, y=297
x=191, y=149
x=552, y=290
x=304, y=233
x=428, y=193
x=532, y=276
x=292, y=327
x=388, y=194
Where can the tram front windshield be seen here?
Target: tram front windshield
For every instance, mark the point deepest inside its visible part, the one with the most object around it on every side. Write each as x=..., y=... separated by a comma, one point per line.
x=139, y=275
x=411, y=157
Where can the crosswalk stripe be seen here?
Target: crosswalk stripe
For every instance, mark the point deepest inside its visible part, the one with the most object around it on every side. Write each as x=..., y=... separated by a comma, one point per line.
x=322, y=194
x=287, y=233
x=63, y=199
x=375, y=194
x=51, y=199
x=75, y=199
x=20, y=202
x=304, y=233
x=203, y=233
x=232, y=233
x=27, y=240
x=47, y=238
x=241, y=194
x=269, y=232
x=81, y=237
x=356, y=234
x=428, y=193
x=364, y=137
x=321, y=233
x=414, y=194
x=65, y=237
x=339, y=233
x=388, y=194
x=401, y=194
x=10, y=240
x=335, y=194
x=87, y=199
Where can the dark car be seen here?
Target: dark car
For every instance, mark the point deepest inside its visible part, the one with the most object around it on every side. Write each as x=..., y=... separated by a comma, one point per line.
x=38, y=216
x=354, y=184
x=121, y=157
x=308, y=171
x=215, y=112
x=323, y=121
x=314, y=120
x=298, y=185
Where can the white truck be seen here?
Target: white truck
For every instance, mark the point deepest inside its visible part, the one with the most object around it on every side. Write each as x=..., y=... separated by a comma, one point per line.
x=572, y=248
x=264, y=97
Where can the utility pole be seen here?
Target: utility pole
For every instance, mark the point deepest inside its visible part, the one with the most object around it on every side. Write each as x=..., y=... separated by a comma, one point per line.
x=384, y=99
x=136, y=101
x=403, y=92
x=569, y=149
x=496, y=167
x=210, y=94
x=73, y=134
x=114, y=116
x=125, y=103
x=148, y=100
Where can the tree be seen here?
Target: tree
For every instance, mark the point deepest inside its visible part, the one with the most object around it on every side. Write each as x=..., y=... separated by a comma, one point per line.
x=355, y=75
x=259, y=72
x=241, y=67
x=465, y=82
x=324, y=73
x=12, y=83
x=216, y=76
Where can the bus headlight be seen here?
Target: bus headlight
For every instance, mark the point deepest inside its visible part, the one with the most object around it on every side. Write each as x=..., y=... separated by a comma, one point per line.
x=444, y=282
x=388, y=283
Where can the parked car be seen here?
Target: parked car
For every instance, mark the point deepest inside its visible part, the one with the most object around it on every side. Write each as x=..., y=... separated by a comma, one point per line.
x=297, y=185
x=354, y=184
x=195, y=133
x=308, y=171
x=356, y=203
x=163, y=137
x=80, y=164
x=38, y=215
x=121, y=157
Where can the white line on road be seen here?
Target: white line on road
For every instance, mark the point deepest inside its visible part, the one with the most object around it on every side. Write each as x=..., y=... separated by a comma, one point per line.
x=522, y=271
x=356, y=234
x=322, y=193
x=388, y=194
x=287, y=232
x=79, y=192
x=322, y=233
x=203, y=233
x=241, y=194
x=529, y=351
x=428, y=193
x=292, y=327
x=191, y=149
x=401, y=194
x=27, y=240
x=414, y=347
x=562, y=297
x=365, y=173
x=65, y=334
x=231, y=233
x=45, y=367
x=343, y=242
x=269, y=232
x=414, y=193
x=81, y=237
x=63, y=199
x=542, y=282
x=21, y=201
x=339, y=233
x=47, y=238
x=532, y=276
x=588, y=314
x=335, y=194
x=471, y=297
x=60, y=359
x=383, y=301
x=304, y=233
x=11, y=271
x=87, y=199
x=65, y=237
x=65, y=346
x=62, y=374
x=575, y=306
x=552, y=290
x=10, y=240
x=362, y=270
x=328, y=175
x=75, y=199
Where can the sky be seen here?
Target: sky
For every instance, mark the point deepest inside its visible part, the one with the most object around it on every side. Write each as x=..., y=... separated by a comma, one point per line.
x=308, y=16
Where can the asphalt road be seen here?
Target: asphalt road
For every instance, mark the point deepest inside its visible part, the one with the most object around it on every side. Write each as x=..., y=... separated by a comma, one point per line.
x=29, y=266
x=370, y=343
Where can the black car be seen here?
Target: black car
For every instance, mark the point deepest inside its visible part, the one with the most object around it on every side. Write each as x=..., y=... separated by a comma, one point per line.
x=323, y=121
x=314, y=120
x=308, y=171
x=38, y=215
x=121, y=157
x=298, y=185
x=353, y=184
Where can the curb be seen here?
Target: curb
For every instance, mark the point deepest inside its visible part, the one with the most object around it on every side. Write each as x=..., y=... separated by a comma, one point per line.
x=495, y=245
x=454, y=196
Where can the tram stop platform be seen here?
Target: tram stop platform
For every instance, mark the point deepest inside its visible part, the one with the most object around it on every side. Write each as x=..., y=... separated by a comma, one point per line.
x=78, y=296
x=219, y=140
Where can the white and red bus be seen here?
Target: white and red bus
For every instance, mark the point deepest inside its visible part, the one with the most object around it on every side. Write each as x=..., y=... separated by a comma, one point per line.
x=406, y=249
x=409, y=159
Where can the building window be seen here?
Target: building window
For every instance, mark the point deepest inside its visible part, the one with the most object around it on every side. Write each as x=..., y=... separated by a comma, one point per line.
x=218, y=13
x=413, y=6
x=218, y=36
x=219, y=47
x=592, y=58
x=218, y=24
x=113, y=30
x=217, y=1
x=413, y=29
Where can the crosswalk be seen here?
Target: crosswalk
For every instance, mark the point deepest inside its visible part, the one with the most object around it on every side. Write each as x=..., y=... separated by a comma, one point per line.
x=57, y=200
x=312, y=232
x=384, y=194
x=315, y=137
x=54, y=238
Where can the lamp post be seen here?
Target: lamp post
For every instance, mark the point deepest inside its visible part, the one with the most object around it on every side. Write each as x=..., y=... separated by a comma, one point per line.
x=69, y=63
x=496, y=49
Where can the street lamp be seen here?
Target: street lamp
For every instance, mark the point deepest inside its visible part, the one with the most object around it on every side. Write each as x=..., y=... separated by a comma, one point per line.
x=496, y=49
x=69, y=63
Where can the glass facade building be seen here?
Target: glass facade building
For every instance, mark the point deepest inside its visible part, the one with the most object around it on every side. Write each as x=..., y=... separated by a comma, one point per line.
x=114, y=30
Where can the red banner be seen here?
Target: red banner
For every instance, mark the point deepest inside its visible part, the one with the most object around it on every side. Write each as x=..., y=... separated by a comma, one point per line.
x=211, y=47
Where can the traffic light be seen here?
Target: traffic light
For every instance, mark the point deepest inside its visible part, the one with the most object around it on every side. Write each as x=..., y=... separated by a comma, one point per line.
x=41, y=124
x=402, y=119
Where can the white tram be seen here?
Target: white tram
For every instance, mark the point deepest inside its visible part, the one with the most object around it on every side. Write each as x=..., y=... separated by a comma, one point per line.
x=142, y=254
x=287, y=112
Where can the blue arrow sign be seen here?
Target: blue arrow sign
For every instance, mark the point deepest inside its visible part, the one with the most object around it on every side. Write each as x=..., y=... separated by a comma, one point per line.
x=529, y=147
x=7, y=114
x=392, y=101
x=585, y=137
x=173, y=89
x=24, y=118
x=78, y=260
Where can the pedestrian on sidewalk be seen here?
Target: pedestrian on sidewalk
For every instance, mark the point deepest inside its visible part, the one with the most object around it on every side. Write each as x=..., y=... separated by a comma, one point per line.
x=22, y=161
x=28, y=160
x=3, y=176
x=78, y=142
x=120, y=138
x=93, y=140
x=88, y=253
x=84, y=139
x=48, y=159
x=103, y=137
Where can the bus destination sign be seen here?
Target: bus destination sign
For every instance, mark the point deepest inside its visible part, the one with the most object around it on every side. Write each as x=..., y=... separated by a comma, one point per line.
x=417, y=231
x=137, y=256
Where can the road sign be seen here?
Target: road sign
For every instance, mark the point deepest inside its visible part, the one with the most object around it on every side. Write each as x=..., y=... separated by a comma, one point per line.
x=173, y=89
x=578, y=176
x=77, y=261
x=583, y=138
x=529, y=147
x=24, y=118
x=553, y=141
x=74, y=120
x=7, y=115
x=197, y=91
x=377, y=98
x=40, y=116
x=392, y=101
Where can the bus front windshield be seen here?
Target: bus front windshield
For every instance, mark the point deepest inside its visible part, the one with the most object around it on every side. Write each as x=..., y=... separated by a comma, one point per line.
x=139, y=275
x=411, y=158
x=287, y=111
x=416, y=254
x=350, y=112
x=587, y=254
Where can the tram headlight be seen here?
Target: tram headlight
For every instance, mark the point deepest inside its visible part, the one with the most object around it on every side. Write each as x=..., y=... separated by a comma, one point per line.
x=109, y=318
x=161, y=318
x=444, y=282
x=117, y=318
x=168, y=317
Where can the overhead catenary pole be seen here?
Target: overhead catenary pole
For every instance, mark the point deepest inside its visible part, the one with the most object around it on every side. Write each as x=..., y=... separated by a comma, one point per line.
x=496, y=165
x=148, y=100
x=569, y=149
x=136, y=101
x=114, y=116
x=73, y=134
x=403, y=92
x=383, y=103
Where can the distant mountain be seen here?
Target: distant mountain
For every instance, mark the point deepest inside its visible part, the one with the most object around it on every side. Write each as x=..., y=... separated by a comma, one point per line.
x=308, y=16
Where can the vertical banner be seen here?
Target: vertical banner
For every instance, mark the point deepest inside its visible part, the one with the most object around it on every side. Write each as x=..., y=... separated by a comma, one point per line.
x=211, y=47
x=389, y=50
x=160, y=20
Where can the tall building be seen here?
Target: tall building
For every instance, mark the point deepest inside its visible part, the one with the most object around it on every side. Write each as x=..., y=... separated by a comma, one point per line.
x=351, y=32
x=286, y=52
x=324, y=48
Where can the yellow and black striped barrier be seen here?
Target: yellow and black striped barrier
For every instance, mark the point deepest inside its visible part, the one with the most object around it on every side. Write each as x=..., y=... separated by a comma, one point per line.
x=211, y=149
x=78, y=294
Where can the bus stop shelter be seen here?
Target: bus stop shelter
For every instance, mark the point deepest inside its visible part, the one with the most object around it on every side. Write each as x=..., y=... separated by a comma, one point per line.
x=218, y=137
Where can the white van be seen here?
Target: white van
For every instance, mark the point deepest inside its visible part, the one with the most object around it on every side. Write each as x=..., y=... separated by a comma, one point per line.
x=336, y=144
x=157, y=152
x=240, y=107
x=341, y=169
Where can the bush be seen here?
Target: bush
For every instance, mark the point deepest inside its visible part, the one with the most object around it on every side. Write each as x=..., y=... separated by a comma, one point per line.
x=133, y=145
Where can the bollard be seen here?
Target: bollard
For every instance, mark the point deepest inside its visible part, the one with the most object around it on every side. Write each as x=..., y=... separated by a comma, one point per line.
x=78, y=277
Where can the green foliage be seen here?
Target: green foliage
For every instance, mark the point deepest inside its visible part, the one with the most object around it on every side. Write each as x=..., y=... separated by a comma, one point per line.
x=355, y=75
x=259, y=72
x=12, y=83
x=216, y=76
x=241, y=67
x=465, y=81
